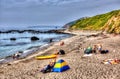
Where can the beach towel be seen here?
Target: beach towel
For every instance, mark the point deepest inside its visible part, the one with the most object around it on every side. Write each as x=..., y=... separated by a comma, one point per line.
x=87, y=55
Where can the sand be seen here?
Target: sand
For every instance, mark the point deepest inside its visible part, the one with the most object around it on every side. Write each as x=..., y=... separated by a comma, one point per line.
x=80, y=67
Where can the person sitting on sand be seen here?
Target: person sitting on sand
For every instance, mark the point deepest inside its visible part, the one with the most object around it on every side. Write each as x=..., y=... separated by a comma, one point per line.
x=49, y=67
x=88, y=50
x=61, y=43
x=94, y=49
x=99, y=47
x=60, y=52
x=56, y=52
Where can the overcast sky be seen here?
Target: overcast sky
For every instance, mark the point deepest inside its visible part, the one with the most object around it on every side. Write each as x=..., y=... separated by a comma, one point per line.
x=51, y=12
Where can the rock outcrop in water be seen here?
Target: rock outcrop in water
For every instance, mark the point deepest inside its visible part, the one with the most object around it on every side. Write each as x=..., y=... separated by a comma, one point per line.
x=34, y=38
x=12, y=39
x=33, y=31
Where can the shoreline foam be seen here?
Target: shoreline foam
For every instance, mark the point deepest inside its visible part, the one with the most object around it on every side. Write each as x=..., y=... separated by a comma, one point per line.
x=28, y=52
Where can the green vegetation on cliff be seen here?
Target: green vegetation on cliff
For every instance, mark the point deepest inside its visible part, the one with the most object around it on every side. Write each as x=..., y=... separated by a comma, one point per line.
x=109, y=22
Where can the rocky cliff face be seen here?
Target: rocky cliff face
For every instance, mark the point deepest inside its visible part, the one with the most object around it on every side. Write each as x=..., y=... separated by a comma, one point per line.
x=113, y=24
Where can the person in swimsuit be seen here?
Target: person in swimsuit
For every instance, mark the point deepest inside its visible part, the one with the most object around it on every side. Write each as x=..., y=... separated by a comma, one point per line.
x=99, y=47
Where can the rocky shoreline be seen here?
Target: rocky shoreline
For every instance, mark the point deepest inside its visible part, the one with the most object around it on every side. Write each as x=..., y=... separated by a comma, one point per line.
x=59, y=31
x=80, y=67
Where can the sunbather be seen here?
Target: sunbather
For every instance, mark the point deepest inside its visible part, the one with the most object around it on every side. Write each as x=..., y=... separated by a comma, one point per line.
x=17, y=55
x=99, y=47
x=88, y=50
x=49, y=67
x=94, y=49
x=61, y=43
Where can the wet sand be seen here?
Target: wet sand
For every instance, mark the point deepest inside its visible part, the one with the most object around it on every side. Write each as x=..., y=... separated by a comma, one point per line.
x=80, y=67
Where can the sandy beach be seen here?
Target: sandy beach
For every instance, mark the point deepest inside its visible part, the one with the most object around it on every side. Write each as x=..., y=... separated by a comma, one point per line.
x=80, y=67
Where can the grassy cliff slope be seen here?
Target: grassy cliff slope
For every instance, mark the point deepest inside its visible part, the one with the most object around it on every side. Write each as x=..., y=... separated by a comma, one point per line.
x=109, y=22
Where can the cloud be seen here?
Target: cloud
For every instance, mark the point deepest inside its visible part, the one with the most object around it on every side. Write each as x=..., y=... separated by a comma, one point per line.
x=58, y=2
x=56, y=12
x=21, y=1
x=40, y=2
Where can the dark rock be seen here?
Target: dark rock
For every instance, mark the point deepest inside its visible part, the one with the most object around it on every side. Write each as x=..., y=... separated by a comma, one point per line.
x=8, y=64
x=12, y=39
x=34, y=38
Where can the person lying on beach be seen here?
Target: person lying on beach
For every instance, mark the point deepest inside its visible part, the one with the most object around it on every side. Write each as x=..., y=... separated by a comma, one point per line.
x=49, y=67
x=17, y=55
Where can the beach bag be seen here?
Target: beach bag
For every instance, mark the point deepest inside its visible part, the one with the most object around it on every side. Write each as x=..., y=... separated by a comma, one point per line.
x=104, y=51
x=61, y=52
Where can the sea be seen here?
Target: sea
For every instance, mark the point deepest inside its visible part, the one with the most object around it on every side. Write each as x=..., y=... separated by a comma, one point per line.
x=23, y=40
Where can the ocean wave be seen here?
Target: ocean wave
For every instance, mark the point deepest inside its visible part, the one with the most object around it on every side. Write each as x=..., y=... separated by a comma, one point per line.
x=15, y=44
